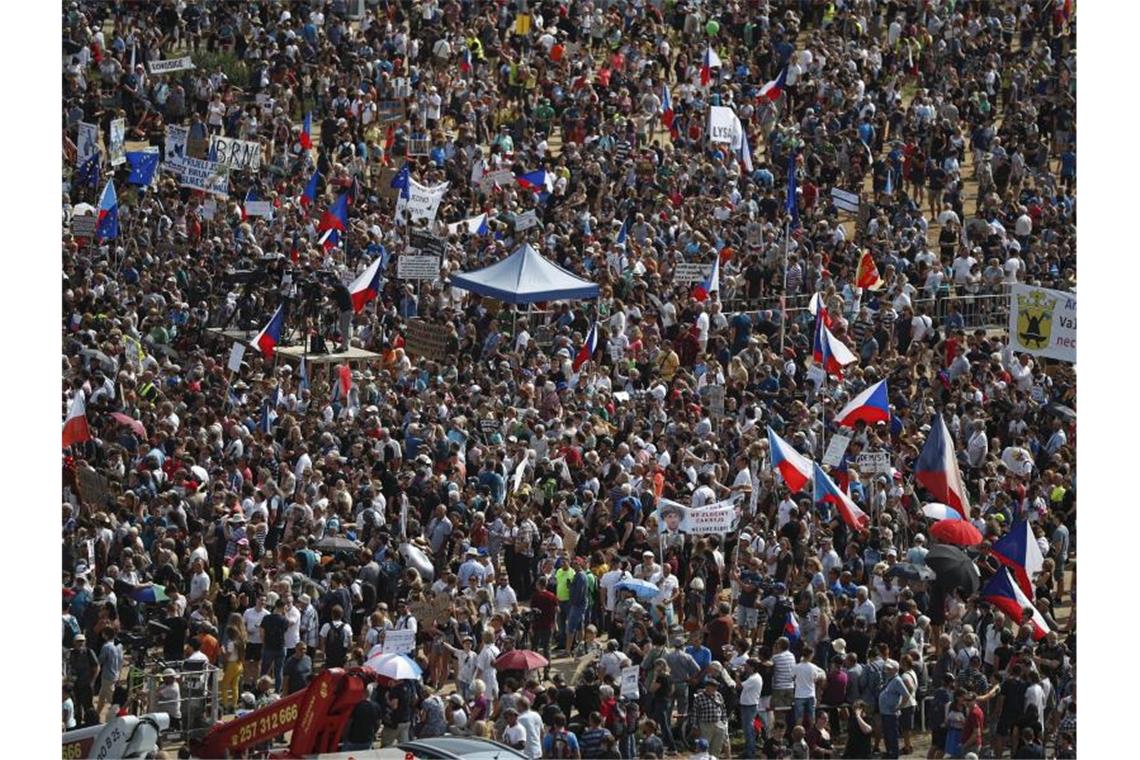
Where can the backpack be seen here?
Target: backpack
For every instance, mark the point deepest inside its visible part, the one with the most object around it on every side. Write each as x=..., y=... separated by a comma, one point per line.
x=560, y=745
x=70, y=629
x=335, y=650
x=872, y=680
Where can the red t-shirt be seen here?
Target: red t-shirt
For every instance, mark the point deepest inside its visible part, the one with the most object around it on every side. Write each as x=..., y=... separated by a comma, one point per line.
x=547, y=605
x=972, y=731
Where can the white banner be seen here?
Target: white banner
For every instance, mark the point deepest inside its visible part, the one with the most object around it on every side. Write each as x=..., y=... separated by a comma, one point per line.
x=719, y=518
x=836, y=448
x=259, y=208
x=399, y=641
x=526, y=220
x=176, y=137
x=629, y=682
x=236, y=354
x=422, y=202
x=845, y=200
x=688, y=272
x=1043, y=322
x=88, y=141
x=173, y=64
x=417, y=267
x=500, y=177
x=203, y=175
x=236, y=154
x=118, y=141
x=723, y=125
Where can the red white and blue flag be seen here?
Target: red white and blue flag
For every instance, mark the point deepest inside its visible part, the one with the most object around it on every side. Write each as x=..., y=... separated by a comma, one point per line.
x=712, y=61
x=835, y=354
x=710, y=284
x=1002, y=592
x=870, y=406
x=107, y=221
x=666, y=107
x=586, y=352
x=826, y=492
x=306, y=137
x=75, y=428
x=792, y=628
x=1018, y=550
x=772, y=90
x=937, y=468
x=266, y=341
x=309, y=194
x=465, y=60
x=366, y=287
x=334, y=222
x=793, y=466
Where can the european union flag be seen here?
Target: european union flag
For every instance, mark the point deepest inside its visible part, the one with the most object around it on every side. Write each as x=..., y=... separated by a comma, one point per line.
x=143, y=166
x=87, y=173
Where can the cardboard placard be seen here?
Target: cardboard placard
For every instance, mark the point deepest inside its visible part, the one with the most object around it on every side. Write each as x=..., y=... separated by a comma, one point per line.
x=544, y=335
x=118, y=142
x=176, y=137
x=629, y=688
x=94, y=488
x=688, y=272
x=419, y=145
x=243, y=155
x=384, y=183
x=259, y=208
x=206, y=176
x=417, y=267
x=714, y=397
x=391, y=111
x=173, y=64
x=83, y=226
x=87, y=143
x=399, y=641
x=422, y=240
x=488, y=426
x=873, y=462
x=427, y=610
x=427, y=340
x=845, y=200
x=197, y=147
x=500, y=177
x=526, y=220
x=835, y=450
x=236, y=354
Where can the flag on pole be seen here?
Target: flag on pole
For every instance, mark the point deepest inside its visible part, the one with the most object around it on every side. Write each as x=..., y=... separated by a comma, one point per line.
x=303, y=375
x=793, y=466
x=266, y=341
x=309, y=194
x=306, y=137
x=623, y=233
x=774, y=89
x=143, y=165
x=870, y=406
x=366, y=287
x=465, y=60
x=836, y=355
x=336, y=217
x=790, y=204
x=250, y=197
x=712, y=61
x=744, y=152
x=867, y=274
x=791, y=628
x=710, y=284
x=666, y=107
x=937, y=468
x=75, y=428
x=1003, y=592
x=268, y=417
x=826, y=492
x=1018, y=550
x=586, y=352
x=87, y=173
x=107, y=223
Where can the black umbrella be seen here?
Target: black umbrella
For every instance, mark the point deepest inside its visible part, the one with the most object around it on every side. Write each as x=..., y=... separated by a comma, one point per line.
x=911, y=571
x=953, y=568
x=1060, y=410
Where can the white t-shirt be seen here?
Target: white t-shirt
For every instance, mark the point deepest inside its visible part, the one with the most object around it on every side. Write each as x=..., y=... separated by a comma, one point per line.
x=199, y=587
x=806, y=674
x=750, y=689
x=609, y=580
x=293, y=632
x=512, y=735
x=532, y=723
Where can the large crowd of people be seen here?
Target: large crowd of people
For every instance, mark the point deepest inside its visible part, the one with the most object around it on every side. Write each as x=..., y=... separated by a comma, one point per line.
x=275, y=519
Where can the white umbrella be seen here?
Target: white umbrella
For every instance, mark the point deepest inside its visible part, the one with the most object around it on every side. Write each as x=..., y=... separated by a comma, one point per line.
x=199, y=472
x=398, y=667
x=936, y=511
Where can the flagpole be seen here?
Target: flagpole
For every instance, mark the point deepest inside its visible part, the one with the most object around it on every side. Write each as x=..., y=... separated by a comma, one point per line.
x=784, y=294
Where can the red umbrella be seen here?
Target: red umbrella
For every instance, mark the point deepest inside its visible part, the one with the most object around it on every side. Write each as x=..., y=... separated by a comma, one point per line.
x=957, y=532
x=133, y=424
x=521, y=659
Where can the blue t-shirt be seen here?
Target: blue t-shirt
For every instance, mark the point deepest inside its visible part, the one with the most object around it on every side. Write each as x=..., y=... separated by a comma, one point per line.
x=548, y=743
x=701, y=654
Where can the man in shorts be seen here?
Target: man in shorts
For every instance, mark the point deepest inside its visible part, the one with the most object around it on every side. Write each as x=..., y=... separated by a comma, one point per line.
x=783, y=676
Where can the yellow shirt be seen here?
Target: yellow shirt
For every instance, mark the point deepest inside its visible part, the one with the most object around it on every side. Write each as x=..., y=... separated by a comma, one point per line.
x=667, y=363
x=563, y=576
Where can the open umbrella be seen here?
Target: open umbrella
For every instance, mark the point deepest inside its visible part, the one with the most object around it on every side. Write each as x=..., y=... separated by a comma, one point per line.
x=521, y=659
x=936, y=511
x=398, y=667
x=1060, y=410
x=199, y=473
x=642, y=589
x=953, y=568
x=337, y=544
x=957, y=532
x=911, y=571
x=137, y=427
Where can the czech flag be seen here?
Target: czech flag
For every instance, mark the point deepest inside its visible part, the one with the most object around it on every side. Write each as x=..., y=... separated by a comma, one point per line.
x=826, y=492
x=793, y=466
x=75, y=429
x=336, y=217
x=306, y=136
x=710, y=284
x=870, y=406
x=266, y=341
x=465, y=60
x=1018, y=550
x=586, y=352
x=107, y=222
x=836, y=355
x=774, y=89
x=792, y=628
x=474, y=225
x=537, y=181
x=309, y=194
x=937, y=468
x=744, y=153
x=666, y=107
x=1002, y=592
x=712, y=61
x=366, y=287
x=867, y=275
x=250, y=195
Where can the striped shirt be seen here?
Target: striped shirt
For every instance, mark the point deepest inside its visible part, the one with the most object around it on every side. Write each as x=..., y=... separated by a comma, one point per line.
x=524, y=538
x=782, y=667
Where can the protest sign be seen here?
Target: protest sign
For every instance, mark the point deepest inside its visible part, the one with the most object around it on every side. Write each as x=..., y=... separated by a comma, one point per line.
x=209, y=208
x=427, y=340
x=422, y=201
x=873, y=462
x=835, y=450
x=500, y=177
x=435, y=608
x=845, y=201
x=83, y=225
x=236, y=354
x=259, y=208
x=629, y=682
x=722, y=125
x=399, y=641
x=419, y=145
x=203, y=175
x=526, y=220
x=117, y=149
x=236, y=154
x=390, y=111
x=176, y=137
x=87, y=143
x=688, y=272
x=171, y=64
x=714, y=397
x=422, y=240
x=1043, y=322
x=718, y=518
x=417, y=267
